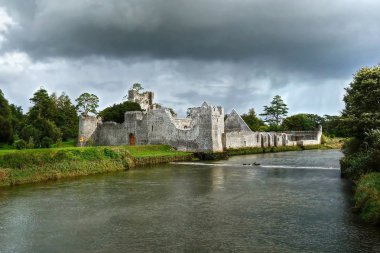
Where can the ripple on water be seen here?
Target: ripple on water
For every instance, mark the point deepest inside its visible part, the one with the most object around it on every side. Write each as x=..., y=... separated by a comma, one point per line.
x=294, y=202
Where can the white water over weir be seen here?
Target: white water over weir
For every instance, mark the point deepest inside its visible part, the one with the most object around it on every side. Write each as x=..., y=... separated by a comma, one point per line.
x=257, y=166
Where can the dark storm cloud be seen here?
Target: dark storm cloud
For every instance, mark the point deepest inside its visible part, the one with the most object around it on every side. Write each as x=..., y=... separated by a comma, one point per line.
x=301, y=36
x=235, y=53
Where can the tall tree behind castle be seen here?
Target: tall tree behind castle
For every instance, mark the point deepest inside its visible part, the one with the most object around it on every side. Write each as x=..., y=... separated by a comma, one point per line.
x=275, y=113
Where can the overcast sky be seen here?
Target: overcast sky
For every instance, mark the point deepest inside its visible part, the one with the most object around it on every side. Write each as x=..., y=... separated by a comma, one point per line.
x=234, y=53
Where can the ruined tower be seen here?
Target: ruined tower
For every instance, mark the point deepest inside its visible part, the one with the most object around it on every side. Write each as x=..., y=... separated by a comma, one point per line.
x=145, y=99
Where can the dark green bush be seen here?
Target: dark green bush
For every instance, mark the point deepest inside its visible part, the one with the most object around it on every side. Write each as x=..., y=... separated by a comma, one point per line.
x=116, y=112
x=46, y=142
x=361, y=157
x=351, y=146
x=20, y=144
x=110, y=153
x=367, y=197
x=358, y=164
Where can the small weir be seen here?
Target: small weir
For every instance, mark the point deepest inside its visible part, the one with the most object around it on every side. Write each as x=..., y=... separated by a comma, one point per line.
x=256, y=166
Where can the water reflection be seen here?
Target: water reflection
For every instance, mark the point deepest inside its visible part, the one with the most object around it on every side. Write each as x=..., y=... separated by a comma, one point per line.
x=192, y=208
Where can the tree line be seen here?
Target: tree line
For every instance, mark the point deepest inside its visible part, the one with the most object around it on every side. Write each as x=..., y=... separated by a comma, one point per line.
x=52, y=118
x=274, y=118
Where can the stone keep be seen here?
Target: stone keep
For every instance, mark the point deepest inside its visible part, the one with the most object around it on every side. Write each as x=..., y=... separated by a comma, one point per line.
x=145, y=99
x=203, y=130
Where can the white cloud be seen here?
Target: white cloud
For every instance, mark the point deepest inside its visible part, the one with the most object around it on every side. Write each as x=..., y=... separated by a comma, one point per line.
x=6, y=22
x=14, y=63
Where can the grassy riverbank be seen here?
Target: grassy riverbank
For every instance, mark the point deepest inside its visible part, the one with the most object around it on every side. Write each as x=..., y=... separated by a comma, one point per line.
x=34, y=165
x=367, y=197
x=258, y=150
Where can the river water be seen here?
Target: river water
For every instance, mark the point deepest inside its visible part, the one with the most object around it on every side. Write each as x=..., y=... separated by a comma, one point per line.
x=292, y=202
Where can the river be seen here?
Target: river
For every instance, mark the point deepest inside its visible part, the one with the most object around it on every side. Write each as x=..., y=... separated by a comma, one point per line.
x=291, y=202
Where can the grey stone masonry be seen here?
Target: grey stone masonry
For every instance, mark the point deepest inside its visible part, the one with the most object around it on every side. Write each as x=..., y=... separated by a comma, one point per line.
x=235, y=123
x=202, y=131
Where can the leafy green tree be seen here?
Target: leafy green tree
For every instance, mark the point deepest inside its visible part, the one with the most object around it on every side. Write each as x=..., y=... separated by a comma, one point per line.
x=43, y=106
x=361, y=119
x=137, y=87
x=254, y=123
x=17, y=119
x=302, y=122
x=362, y=111
x=87, y=103
x=66, y=118
x=275, y=113
x=41, y=119
x=6, y=130
x=116, y=112
x=48, y=129
x=333, y=126
x=29, y=132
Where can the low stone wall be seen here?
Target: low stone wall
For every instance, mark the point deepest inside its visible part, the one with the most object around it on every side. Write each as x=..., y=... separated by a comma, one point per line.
x=242, y=139
x=308, y=142
x=246, y=139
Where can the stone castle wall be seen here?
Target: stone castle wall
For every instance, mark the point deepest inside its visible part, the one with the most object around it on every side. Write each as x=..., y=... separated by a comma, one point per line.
x=204, y=130
x=238, y=135
x=87, y=127
x=201, y=132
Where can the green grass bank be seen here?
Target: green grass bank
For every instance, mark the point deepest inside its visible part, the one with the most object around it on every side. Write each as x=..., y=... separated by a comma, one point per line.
x=367, y=197
x=35, y=165
x=258, y=150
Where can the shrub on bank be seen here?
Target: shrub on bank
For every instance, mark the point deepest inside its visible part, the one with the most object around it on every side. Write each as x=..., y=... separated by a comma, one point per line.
x=20, y=144
x=367, y=197
x=361, y=157
x=358, y=164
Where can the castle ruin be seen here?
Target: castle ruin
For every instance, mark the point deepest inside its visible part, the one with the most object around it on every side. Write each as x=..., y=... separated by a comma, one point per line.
x=204, y=130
